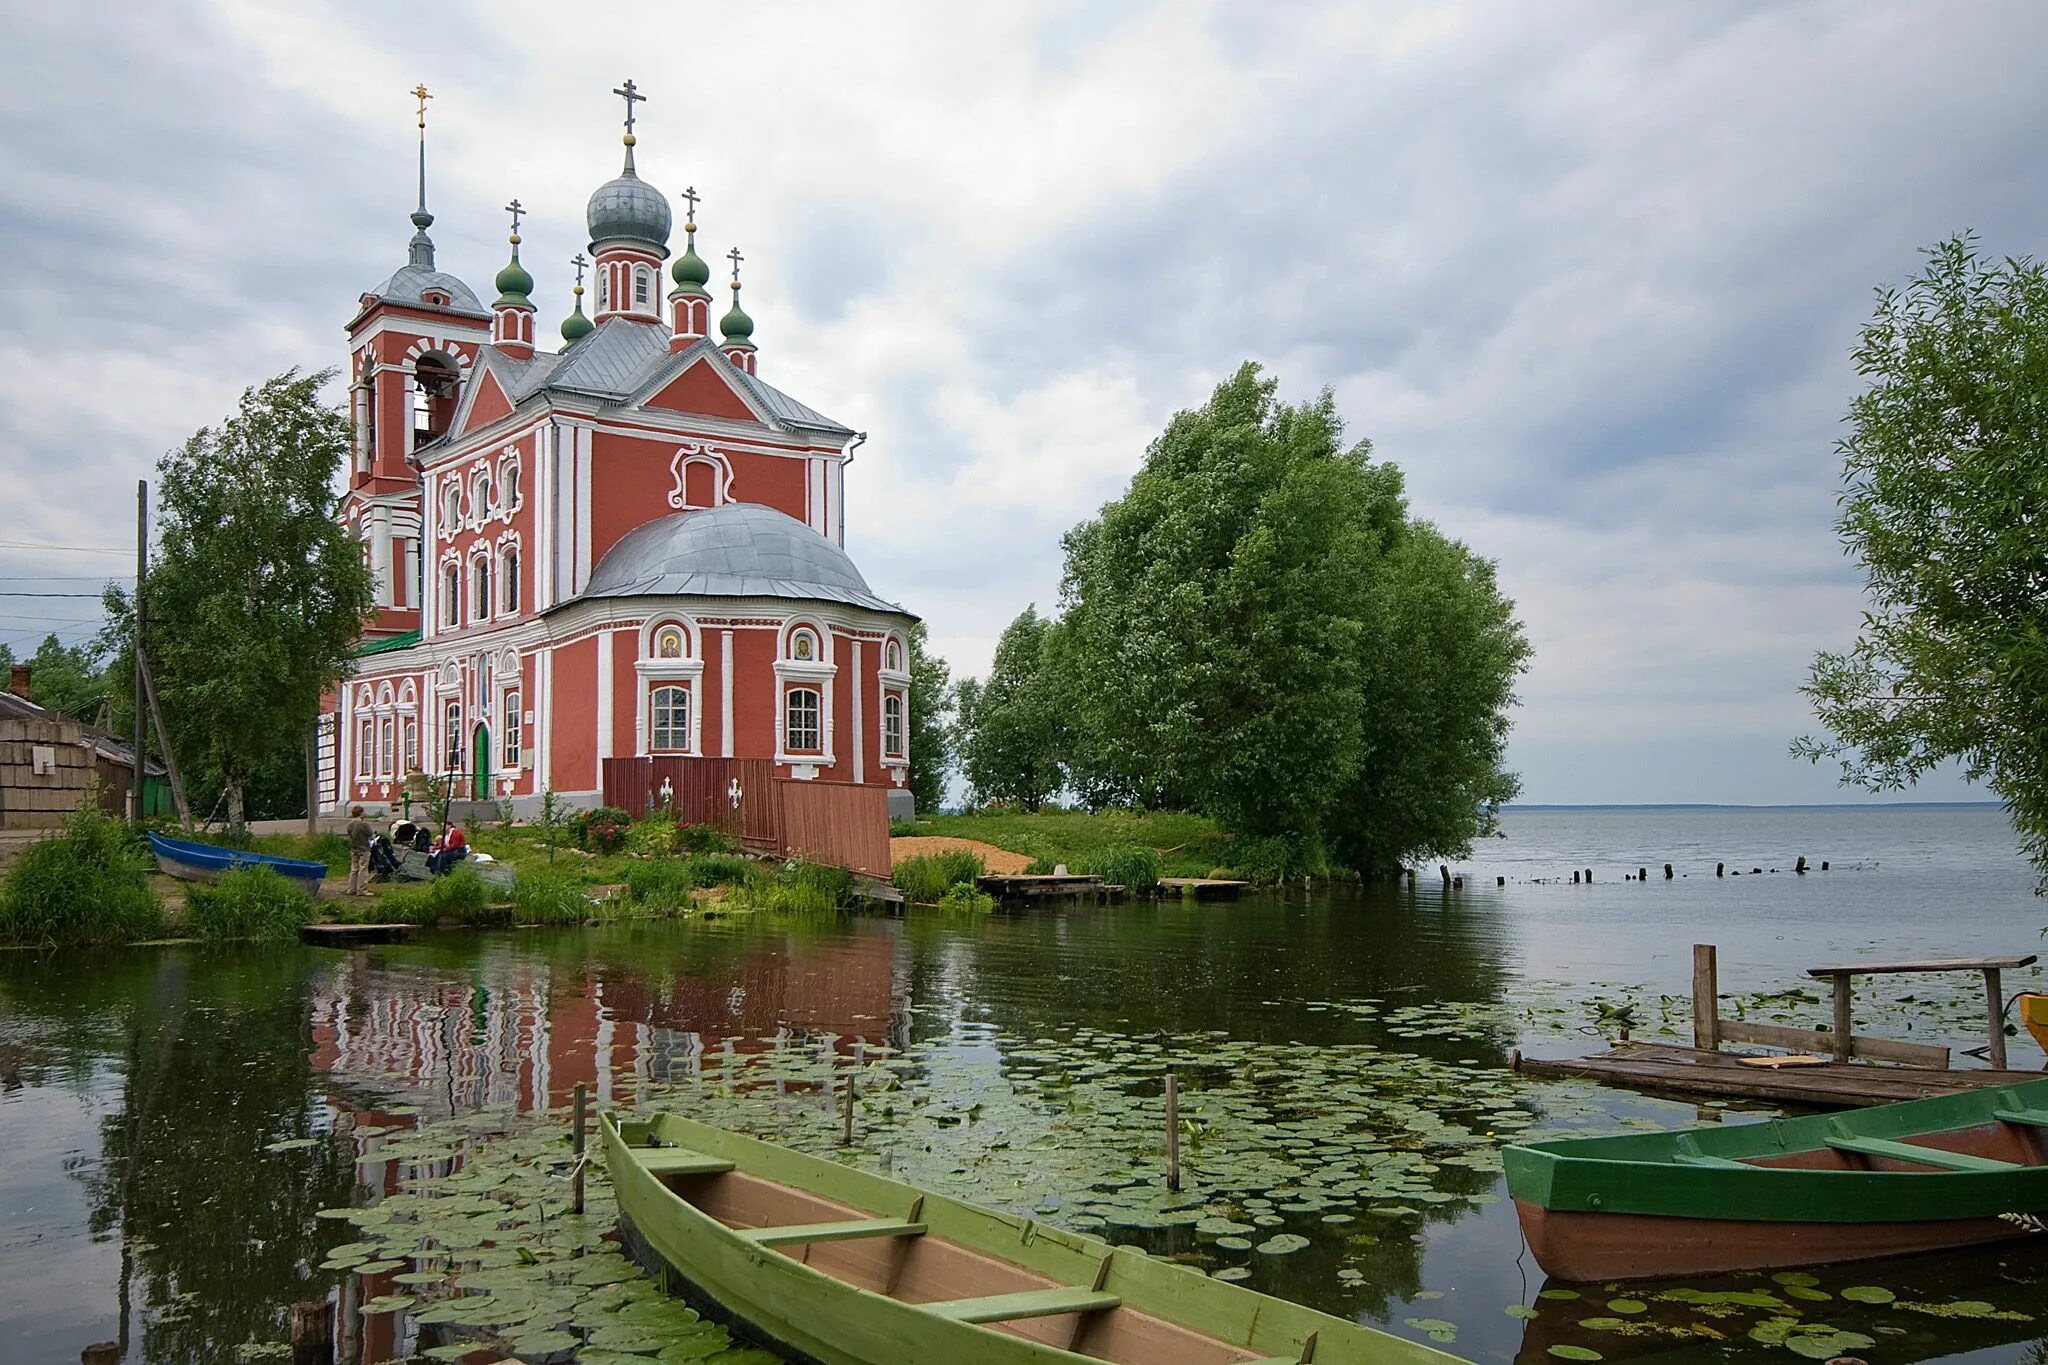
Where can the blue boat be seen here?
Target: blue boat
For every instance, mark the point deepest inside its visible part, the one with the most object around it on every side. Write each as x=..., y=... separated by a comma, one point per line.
x=205, y=862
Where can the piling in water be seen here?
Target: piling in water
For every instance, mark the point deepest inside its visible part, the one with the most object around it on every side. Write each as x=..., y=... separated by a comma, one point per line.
x=1667, y=872
x=1720, y=869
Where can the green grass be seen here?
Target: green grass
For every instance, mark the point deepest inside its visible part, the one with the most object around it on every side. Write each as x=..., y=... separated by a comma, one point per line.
x=962, y=899
x=1133, y=866
x=460, y=896
x=248, y=902
x=86, y=885
x=1186, y=845
x=547, y=897
x=799, y=886
x=927, y=877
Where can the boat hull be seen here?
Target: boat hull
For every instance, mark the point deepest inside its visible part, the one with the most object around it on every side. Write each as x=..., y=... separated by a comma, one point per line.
x=195, y=862
x=1901, y=1179
x=1634, y=1246
x=856, y=1302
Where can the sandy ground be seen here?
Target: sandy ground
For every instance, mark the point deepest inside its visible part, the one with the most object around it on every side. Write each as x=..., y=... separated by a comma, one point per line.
x=1000, y=861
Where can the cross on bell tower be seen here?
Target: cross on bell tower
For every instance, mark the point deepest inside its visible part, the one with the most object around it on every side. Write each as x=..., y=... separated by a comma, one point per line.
x=632, y=96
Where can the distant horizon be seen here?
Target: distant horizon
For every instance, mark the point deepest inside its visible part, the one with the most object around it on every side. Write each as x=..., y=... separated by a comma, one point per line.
x=1738, y=805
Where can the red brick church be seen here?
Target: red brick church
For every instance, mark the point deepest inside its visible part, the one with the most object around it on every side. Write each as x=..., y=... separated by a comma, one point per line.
x=628, y=545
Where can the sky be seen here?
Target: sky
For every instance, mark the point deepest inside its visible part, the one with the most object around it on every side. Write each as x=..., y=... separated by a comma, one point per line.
x=1588, y=273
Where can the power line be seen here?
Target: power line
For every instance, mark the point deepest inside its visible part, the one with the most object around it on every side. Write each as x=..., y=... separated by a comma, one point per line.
x=80, y=549
x=66, y=578
x=92, y=595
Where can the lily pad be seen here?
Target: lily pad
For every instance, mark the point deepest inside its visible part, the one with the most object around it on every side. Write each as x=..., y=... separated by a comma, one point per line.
x=1568, y=1352
x=1868, y=1293
x=1436, y=1329
x=1282, y=1244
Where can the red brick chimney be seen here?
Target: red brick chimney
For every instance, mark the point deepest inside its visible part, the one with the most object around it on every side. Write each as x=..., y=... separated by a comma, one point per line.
x=17, y=681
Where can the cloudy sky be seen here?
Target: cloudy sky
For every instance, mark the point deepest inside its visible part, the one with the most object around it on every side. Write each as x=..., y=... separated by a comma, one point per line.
x=1587, y=272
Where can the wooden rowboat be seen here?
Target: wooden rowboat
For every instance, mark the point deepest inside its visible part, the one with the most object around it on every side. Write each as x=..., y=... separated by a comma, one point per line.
x=205, y=862
x=1899, y=1179
x=842, y=1267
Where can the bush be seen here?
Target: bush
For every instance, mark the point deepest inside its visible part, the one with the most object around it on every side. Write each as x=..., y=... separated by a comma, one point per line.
x=696, y=840
x=660, y=884
x=799, y=885
x=545, y=897
x=927, y=877
x=1128, y=865
x=654, y=837
x=962, y=898
x=89, y=884
x=602, y=830
x=1041, y=867
x=460, y=896
x=1275, y=858
x=721, y=869
x=249, y=902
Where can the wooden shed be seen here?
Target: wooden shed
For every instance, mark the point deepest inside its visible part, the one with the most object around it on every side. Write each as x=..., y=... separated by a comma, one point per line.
x=49, y=763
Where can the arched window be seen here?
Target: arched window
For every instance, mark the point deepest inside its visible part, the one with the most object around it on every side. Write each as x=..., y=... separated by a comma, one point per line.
x=410, y=745
x=803, y=646
x=509, y=728
x=438, y=381
x=387, y=747
x=508, y=575
x=480, y=498
x=604, y=293
x=451, y=507
x=366, y=748
x=508, y=484
x=451, y=594
x=480, y=587
x=801, y=709
x=668, y=643
x=894, y=658
x=670, y=717
x=892, y=725
x=451, y=732
x=643, y=285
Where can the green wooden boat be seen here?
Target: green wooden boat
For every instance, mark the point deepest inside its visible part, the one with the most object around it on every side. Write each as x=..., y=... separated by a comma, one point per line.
x=1899, y=1179
x=838, y=1266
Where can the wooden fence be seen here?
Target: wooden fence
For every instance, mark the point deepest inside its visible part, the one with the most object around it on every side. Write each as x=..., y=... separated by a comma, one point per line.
x=844, y=824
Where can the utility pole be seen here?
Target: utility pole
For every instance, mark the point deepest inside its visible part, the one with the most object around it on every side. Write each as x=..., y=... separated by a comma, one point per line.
x=141, y=711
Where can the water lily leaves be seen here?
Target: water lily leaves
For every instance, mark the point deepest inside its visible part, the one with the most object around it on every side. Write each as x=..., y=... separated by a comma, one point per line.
x=1827, y=1343
x=1868, y=1293
x=1962, y=1308
x=1627, y=1307
x=1281, y=1244
x=1568, y=1352
x=542, y=1343
x=1436, y=1329
x=1521, y=1310
x=1808, y=1293
x=1231, y=1274
x=1796, y=1277
x=1602, y=1324
x=387, y=1303
x=1557, y=1294
x=1234, y=1243
x=291, y=1145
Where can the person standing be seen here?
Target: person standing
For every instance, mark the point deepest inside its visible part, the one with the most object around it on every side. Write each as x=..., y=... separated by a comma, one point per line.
x=358, y=852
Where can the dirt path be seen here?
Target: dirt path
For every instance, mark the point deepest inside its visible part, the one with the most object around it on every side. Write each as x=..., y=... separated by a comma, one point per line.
x=1000, y=861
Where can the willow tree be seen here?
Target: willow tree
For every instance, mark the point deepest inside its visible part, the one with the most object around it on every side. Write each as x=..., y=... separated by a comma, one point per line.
x=256, y=595
x=1945, y=505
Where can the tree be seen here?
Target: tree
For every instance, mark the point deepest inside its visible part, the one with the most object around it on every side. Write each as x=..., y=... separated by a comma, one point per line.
x=256, y=593
x=932, y=701
x=1945, y=505
x=1012, y=726
x=1257, y=630
x=71, y=680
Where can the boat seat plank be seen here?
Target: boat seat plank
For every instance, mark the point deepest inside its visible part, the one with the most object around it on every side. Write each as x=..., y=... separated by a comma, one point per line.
x=1029, y=1303
x=679, y=1161
x=801, y=1233
x=1719, y=1163
x=1925, y=1156
x=2032, y=1118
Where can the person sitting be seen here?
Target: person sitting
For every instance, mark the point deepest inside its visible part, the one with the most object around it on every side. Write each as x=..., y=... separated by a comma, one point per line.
x=422, y=838
x=454, y=847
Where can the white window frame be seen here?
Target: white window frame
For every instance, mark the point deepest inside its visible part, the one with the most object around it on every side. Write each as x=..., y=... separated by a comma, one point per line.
x=657, y=732
x=816, y=693
x=893, y=708
x=511, y=747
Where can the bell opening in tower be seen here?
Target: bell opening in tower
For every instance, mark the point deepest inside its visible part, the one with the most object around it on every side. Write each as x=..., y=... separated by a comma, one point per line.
x=437, y=384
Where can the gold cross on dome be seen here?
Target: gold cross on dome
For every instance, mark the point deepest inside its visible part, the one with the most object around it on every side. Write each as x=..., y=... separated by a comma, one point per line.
x=630, y=94
x=579, y=262
x=517, y=211
x=690, y=198
x=419, y=92
x=734, y=254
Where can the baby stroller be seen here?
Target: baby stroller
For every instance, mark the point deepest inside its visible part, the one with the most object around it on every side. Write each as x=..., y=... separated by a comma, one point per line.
x=384, y=862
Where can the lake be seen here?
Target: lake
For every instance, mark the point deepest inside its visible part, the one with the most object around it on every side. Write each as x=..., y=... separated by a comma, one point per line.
x=171, y=1120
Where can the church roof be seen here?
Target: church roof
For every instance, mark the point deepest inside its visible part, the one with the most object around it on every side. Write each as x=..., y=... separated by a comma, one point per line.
x=621, y=357
x=737, y=550
x=410, y=284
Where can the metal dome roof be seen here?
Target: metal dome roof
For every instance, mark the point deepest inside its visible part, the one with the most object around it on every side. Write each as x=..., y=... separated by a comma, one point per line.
x=411, y=283
x=628, y=207
x=738, y=550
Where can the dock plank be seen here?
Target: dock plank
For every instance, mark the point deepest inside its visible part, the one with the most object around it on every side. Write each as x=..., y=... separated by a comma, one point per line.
x=1837, y=1085
x=1926, y=964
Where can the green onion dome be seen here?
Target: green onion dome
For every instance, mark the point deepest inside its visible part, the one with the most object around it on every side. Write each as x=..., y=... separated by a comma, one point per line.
x=737, y=327
x=514, y=284
x=576, y=326
x=690, y=271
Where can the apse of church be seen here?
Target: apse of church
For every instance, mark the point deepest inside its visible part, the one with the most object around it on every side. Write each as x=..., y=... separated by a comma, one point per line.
x=624, y=541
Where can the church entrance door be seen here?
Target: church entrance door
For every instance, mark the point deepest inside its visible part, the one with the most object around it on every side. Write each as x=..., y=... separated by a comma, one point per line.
x=480, y=780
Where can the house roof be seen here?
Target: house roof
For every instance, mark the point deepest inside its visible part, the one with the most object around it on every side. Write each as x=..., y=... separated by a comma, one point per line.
x=737, y=550
x=105, y=744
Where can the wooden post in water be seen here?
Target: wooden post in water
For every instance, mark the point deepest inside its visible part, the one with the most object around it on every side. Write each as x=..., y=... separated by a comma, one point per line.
x=313, y=1332
x=1720, y=869
x=1575, y=877
x=101, y=1353
x=1667, y=872
x=576, y=1193
x=1642, y=874
x=1173, y=1132
x=1994, y=999
x=1706, y=990
x=1589, y=876
x=1800, y=868
x=846, y=1116
x=1444, y=872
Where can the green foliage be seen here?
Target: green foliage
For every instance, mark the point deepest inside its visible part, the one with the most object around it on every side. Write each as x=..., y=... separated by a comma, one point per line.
x=87, y=884
x=962, y=898
x=553, y=820
x=653, y=837
x=660, y=884
x=933, y=703
x=929, y=876
x=1945, y=504
x=460, y=896
x=1013, y=731
x=602, y=829
x=696, y=839
x=70, y=680
x=257, y=593
x=1127, y=865
x=255, y=902
x=1257, y=630
x=548, y=897
x=799, y=885
x=721, y=869
x=1275, y=858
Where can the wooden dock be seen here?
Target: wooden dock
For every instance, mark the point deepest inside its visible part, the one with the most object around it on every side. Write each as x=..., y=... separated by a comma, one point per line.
x=1831, y=1085
x=1025, y=886
x=349, y=935
x=1202, y=888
